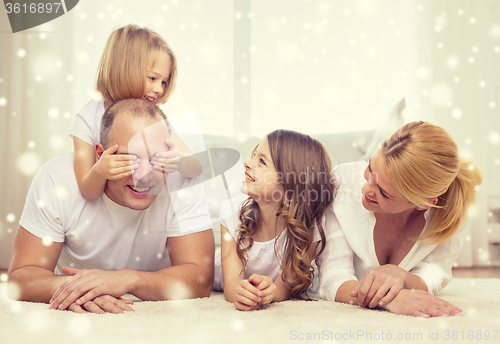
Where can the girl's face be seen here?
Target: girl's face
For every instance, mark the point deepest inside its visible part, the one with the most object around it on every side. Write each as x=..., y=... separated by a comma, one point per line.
x=157, y=78
x=378, y=193
x=262, y=181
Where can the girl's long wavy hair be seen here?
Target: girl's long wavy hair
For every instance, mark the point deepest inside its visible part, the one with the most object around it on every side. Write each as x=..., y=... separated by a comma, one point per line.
x=304, y=171
x=422, y=162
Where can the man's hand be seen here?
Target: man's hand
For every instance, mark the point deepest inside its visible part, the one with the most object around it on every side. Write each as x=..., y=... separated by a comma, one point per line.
x=266, y=286
x=419, y=303
x=113, y=167
x=167, y=162
x=86, y=285
x=103, y=304
x=379, y=286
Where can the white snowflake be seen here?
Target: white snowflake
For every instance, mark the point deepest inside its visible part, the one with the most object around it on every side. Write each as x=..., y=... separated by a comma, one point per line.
x=452, y=62
x=494, y=137
x=456, y=113
x=11, y=218
x=423, y=73
x=80, y=326
x=495, y=31
x=53, y=112
x=47, y=240
x=440, y=94
x=28, y=163
x=238, y=325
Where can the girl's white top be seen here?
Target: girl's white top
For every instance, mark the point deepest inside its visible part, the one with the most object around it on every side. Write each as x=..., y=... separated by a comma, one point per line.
x=87, y=124
x=263, y=259
x=350, y=249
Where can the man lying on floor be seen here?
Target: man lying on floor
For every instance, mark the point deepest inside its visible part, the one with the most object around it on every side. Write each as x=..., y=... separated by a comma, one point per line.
x=135, y=238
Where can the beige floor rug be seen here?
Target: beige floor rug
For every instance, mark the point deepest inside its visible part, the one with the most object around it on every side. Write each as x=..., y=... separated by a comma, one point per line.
x=213, y=320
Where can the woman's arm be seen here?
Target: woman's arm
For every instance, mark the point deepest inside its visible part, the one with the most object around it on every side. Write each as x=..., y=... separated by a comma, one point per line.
x=380, y=285
x=435, y=268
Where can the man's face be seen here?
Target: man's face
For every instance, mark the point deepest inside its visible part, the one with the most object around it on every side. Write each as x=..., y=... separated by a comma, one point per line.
x=142, y=137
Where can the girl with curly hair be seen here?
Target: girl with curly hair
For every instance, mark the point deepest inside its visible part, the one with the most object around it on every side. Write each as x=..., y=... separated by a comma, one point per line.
x=271, y=238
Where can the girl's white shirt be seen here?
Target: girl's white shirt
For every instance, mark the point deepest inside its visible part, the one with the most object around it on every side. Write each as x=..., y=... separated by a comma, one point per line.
x=87, y=124
x=350, y=249
x=264, y=258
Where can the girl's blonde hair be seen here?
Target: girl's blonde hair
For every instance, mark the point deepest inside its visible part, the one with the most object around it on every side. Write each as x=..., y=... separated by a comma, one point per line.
x=124, y=63
x=304, y=171
x=422, y=162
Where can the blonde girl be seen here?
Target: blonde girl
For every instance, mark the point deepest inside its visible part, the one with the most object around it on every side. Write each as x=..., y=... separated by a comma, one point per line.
x=136, y=63
x=402, y=218
x=271, y=237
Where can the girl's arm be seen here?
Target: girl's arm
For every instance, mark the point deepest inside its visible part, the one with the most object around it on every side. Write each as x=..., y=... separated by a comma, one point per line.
x=189, y=165
x=91, y=185
x=92, y=176
x=237, y=290
x=232, y=267
x=278, y=290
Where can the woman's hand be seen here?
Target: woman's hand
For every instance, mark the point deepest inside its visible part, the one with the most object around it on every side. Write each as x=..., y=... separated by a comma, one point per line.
x=380, y=285
x=419, y=303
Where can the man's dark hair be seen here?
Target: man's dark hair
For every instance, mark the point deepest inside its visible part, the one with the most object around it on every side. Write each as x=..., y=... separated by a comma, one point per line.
x=134, y=107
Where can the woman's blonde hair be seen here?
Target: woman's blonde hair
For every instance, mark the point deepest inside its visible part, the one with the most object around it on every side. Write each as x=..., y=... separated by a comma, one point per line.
x=304, y=170
x=422, y=162
x=124, y=63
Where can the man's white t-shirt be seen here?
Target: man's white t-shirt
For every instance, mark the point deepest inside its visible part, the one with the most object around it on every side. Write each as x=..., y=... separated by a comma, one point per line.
x=101, y=234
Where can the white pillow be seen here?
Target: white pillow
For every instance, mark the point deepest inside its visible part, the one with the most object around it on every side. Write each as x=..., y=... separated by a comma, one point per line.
x=388, y=125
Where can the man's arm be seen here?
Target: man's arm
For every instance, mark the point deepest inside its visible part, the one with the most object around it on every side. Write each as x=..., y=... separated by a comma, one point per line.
x=31, y=268
x=190, y=276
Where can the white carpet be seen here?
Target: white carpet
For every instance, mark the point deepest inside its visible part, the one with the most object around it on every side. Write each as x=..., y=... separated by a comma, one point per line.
x=213, y=320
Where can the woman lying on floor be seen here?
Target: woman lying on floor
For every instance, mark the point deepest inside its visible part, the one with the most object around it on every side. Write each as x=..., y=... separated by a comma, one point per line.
x=401, y=224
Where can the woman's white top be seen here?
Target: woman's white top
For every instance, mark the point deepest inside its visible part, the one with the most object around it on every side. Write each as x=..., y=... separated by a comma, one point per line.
x=350, y=249
x=264, y=258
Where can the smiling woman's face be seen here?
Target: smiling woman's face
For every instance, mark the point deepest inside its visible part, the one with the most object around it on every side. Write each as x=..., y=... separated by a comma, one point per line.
x=379, y=195
x=142, y=137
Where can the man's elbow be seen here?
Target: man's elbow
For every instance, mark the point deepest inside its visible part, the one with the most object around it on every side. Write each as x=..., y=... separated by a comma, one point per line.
x=14, y=287
x=205, y=282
